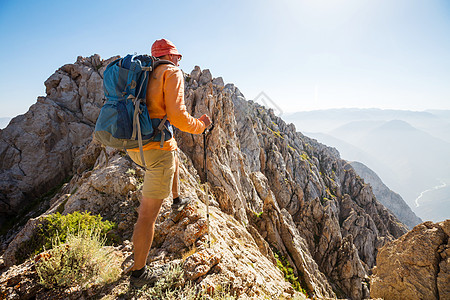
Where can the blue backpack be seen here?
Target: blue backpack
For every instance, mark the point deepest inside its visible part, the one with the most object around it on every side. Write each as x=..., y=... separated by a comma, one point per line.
x=124, y=121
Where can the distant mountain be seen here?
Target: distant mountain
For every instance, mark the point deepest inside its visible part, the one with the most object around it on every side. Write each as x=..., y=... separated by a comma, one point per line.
x=417, y=158
x=440, y=113
x=4, y=122
x=409, y=150
x=393, y=201
x=389, y=198
x=434, y=122
x=345, y=149
x=442, y=132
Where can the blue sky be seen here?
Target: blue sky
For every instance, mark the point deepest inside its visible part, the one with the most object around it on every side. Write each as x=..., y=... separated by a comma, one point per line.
x=305, y=55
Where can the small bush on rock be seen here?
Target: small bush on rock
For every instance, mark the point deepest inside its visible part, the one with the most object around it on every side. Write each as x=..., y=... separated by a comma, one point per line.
x=81, y=260
x=58, y=227
x=288, y=272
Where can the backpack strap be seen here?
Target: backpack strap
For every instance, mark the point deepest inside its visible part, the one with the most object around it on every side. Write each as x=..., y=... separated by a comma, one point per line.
x=161, y=128
x=137, y=129
x=137, y=123
x=141, y=149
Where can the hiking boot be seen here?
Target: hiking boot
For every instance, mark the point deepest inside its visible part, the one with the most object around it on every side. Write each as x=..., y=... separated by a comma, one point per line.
x=178, y=202
x=147, y=276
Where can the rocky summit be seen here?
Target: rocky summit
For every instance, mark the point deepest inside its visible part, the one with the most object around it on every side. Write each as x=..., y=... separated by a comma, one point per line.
x=277, y=198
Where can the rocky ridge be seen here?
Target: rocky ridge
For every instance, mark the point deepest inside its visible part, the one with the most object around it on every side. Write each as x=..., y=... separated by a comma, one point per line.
x=393, y=201
x=273, y=189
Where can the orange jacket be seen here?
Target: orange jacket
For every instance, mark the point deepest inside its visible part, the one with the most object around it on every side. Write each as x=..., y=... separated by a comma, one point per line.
x=165, y=96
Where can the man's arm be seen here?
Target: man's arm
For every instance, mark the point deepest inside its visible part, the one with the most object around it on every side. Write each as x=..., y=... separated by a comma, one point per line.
x=175, y=106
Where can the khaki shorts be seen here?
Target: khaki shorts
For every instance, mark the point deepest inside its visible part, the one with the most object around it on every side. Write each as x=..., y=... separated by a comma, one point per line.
x=160, y=171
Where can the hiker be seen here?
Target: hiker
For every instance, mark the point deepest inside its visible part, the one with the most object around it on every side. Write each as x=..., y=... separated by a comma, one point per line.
x=165, y=96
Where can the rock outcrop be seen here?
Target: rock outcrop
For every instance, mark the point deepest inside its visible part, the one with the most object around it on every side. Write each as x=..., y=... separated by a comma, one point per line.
x=273, y=190
x=416, y=266
x=40, y=149
x=393, y=201
x=112, y=190
x=298, y=188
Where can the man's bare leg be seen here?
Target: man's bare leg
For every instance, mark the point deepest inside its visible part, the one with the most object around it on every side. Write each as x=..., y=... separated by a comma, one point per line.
x=144, y=230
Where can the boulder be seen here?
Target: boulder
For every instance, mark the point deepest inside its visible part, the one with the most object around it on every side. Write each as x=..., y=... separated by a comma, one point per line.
x=415, y=266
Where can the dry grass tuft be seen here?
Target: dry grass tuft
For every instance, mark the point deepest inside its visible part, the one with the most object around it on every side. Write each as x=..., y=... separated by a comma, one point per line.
x=81, y=261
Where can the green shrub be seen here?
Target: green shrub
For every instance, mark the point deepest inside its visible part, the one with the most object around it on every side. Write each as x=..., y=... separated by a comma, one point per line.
x=283, y=264
x=81, y=260
x=58, y=227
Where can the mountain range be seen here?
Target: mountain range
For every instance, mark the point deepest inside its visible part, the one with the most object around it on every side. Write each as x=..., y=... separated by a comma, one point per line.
x=407, y=149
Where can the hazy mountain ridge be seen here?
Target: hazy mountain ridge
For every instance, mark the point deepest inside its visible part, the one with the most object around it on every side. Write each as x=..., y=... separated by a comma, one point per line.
x=272, y=189
x=326, y=120
x=407, y=149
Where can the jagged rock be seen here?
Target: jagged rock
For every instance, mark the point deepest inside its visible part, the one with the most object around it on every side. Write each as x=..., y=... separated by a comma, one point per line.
x=218, y=81
x=195, y=74
x=415, y=266
x=20, y=282
x=37, y=149
x=205, y=77
x=27, y=232
x=200, y=263
x=393, y=201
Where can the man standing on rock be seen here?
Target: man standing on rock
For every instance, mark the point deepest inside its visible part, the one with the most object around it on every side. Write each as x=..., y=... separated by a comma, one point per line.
x=165, y=96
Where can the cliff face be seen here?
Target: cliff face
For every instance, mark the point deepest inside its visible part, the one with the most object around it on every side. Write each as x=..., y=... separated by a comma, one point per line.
x=273, y=189
x=393, y=201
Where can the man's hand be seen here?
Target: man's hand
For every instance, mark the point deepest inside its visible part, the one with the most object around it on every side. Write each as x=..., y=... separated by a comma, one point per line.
x=206, y=120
